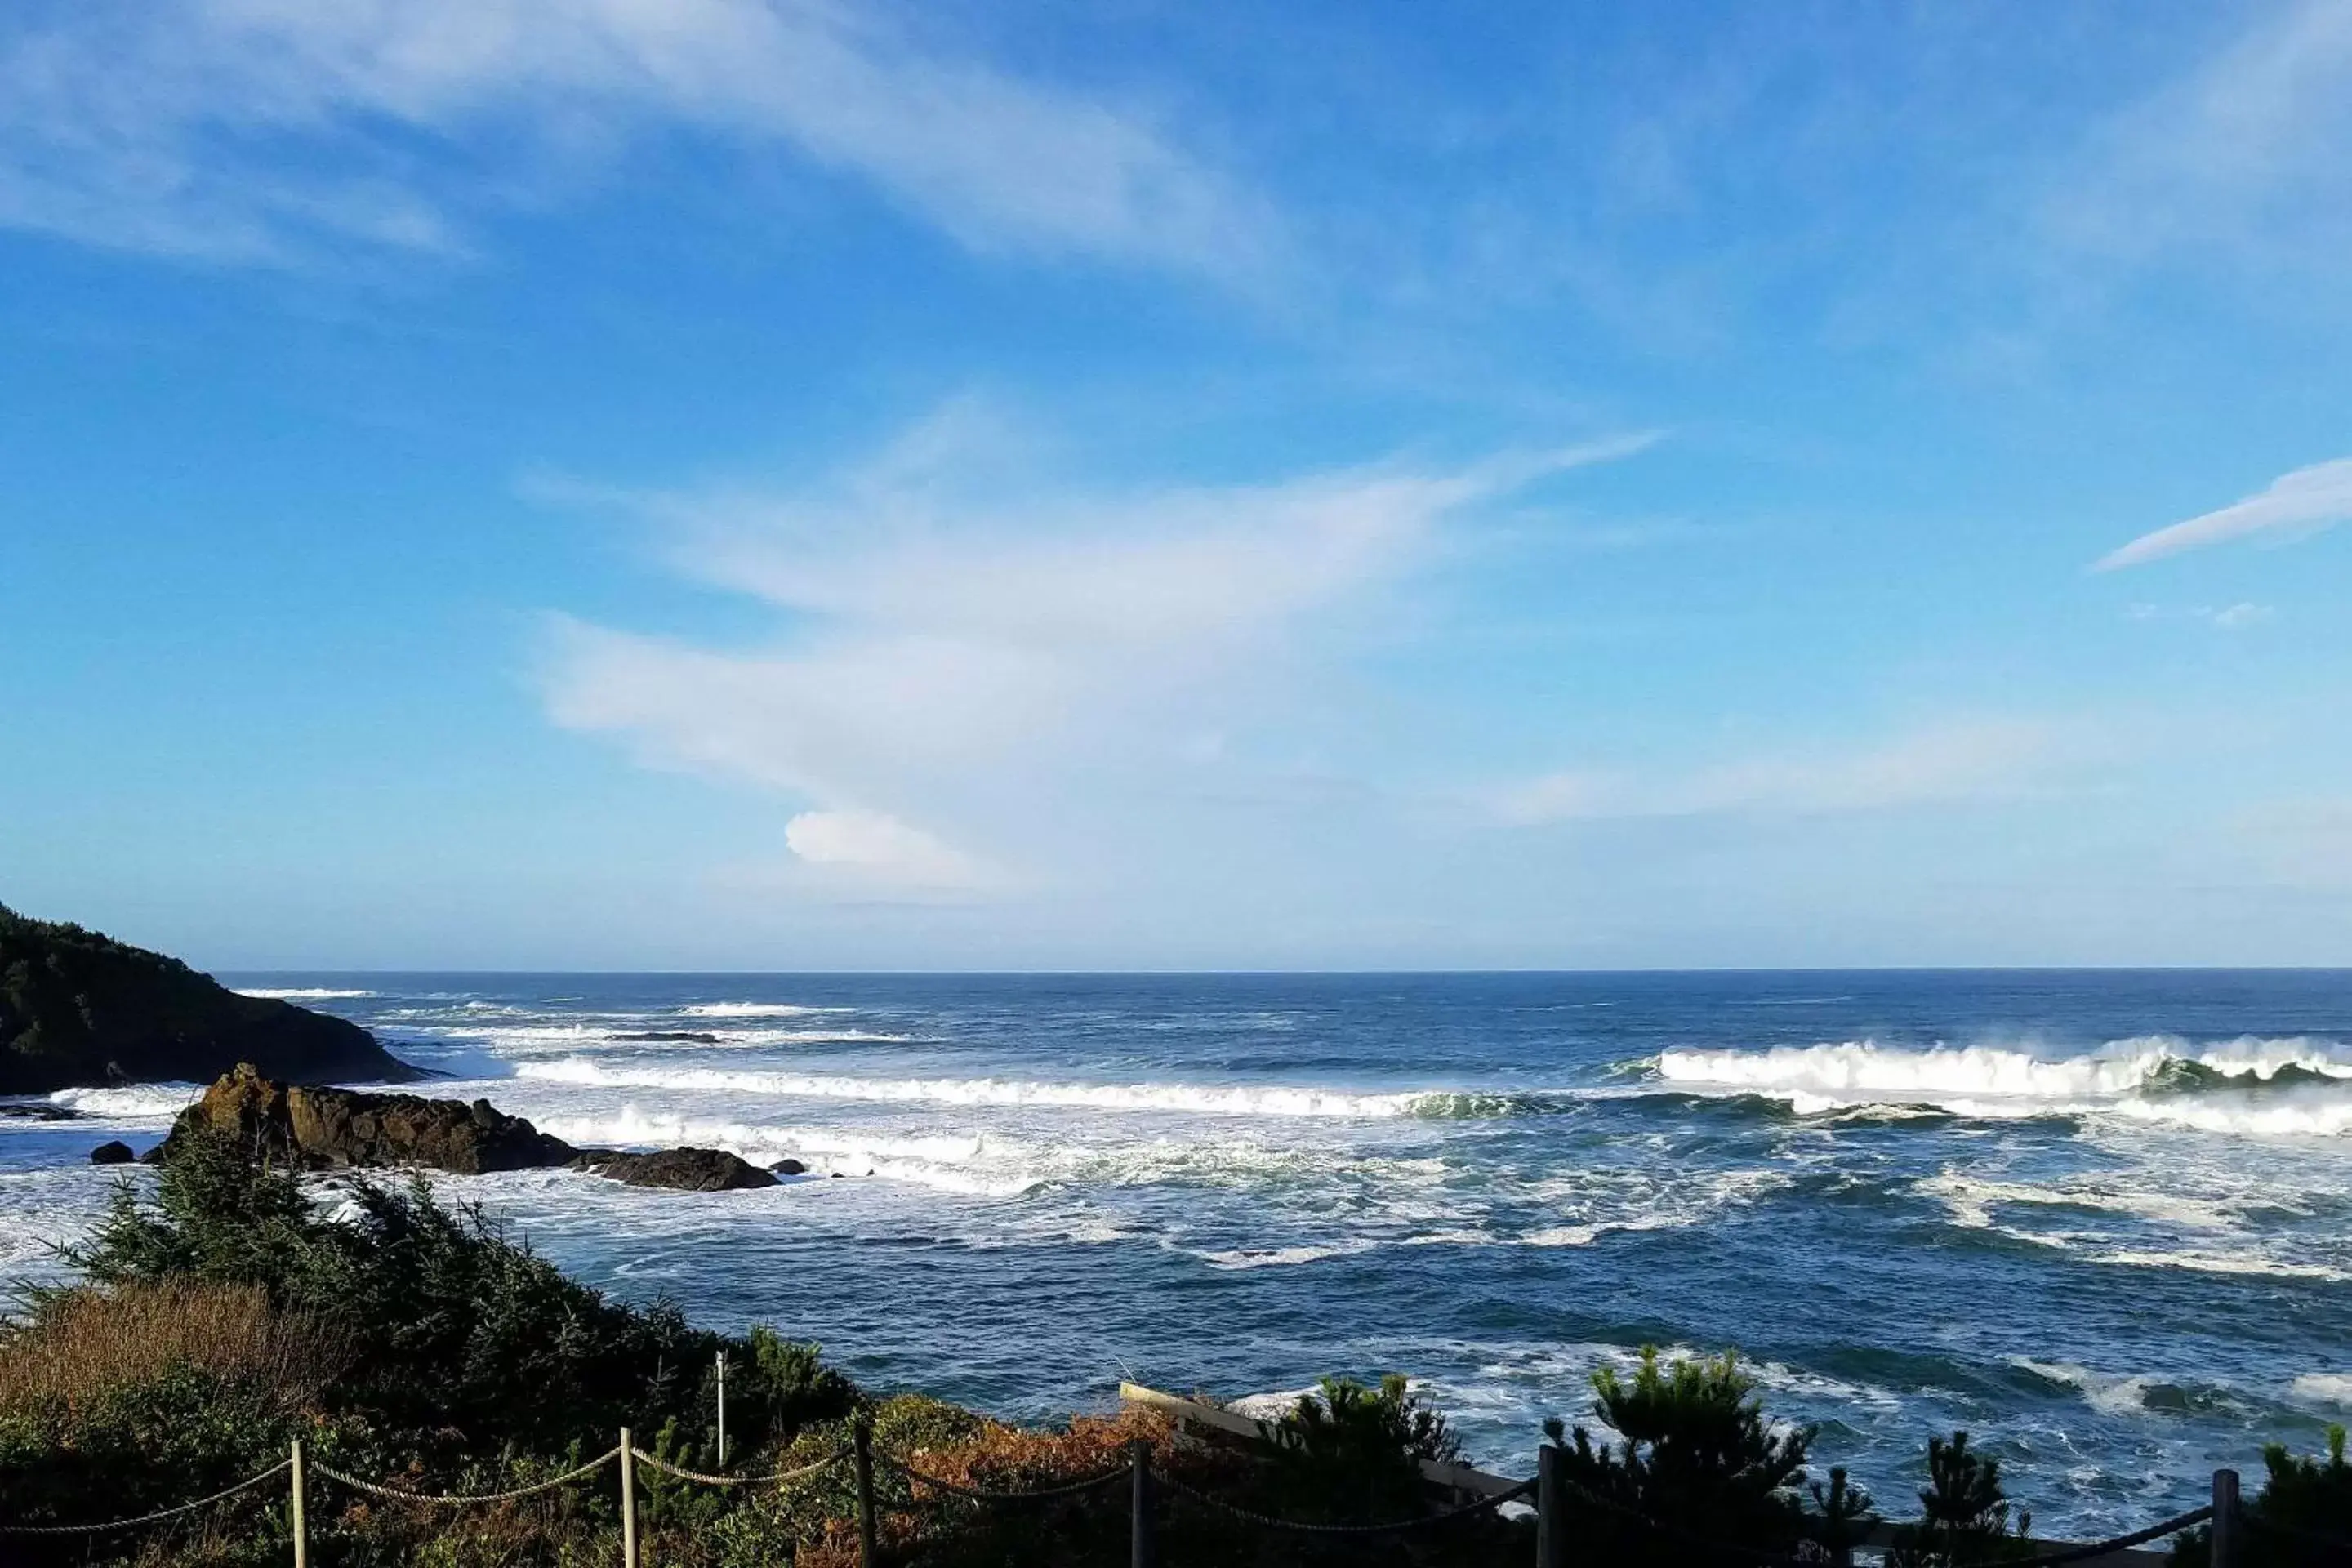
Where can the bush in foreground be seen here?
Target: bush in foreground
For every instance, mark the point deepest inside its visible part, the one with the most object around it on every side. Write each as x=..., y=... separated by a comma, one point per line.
x=2301, y=1499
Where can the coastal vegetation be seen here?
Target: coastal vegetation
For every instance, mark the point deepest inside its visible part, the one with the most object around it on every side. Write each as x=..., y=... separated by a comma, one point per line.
x=240, y=1305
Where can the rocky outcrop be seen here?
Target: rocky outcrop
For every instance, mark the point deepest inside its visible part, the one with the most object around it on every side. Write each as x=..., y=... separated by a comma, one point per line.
x=789, y=1168
x=324, y=1129
x=78, y=1008
x=687, y=1170
x=318, y=1129
x=113, y=1152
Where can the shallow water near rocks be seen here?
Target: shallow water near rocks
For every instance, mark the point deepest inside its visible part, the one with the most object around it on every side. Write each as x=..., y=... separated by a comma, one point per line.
x=2101, y=1220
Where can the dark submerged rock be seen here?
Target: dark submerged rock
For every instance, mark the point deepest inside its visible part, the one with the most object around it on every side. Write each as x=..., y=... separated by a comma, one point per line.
x=77, y=1008
x=39, y=1113
x=688, y=1170
x=689, y=1036
x=789, y=1168
x=114, y=1151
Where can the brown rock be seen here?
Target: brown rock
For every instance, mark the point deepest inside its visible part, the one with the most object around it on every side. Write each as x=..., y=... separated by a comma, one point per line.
x=321, y=1129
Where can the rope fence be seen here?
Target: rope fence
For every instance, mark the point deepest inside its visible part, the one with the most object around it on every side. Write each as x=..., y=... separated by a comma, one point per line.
x=161, y=1514
x=1555, y=1493
x=776, y=1477
x=1036, y=1494
x=460, y=1499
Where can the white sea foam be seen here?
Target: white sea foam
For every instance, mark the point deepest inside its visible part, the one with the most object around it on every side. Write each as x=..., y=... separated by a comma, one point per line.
x=1970, y=1200
x=299, y=992
x=527, y=1039
x=754, y=1010
x=139, y=1102
x=2107, y=1392
x=2325, y=1388
x=1200, y=1099
x=2126, y=1078
x=1285, y=1257
x=976, y=1166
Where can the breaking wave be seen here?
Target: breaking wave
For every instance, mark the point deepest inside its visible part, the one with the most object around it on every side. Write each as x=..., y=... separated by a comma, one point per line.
x=754, y=1010
x=299, y=992
x=132, y=1102
x=2281, y=1087
x=1198, y=1099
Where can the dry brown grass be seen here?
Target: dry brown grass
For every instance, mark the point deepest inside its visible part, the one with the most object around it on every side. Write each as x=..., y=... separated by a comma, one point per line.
x=90, y=1342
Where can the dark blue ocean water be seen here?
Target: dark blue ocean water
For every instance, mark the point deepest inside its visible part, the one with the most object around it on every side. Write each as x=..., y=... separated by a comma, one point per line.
x=2104, y=1220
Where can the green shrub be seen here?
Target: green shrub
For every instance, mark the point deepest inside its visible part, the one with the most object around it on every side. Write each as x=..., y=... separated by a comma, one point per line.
x=2301, y=1497
x=453, y=1329
x=1350, y=1452
x=1695, y=1452
x=1964, y=1512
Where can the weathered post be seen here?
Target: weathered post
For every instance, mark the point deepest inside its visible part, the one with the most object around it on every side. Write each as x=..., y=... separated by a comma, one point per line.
x=1139, y=1554
x=1551, y=1523
x=628, y=1502
x=2225, y=1519
x=723, y=1409
x=862, y=1444
x=301, y=1513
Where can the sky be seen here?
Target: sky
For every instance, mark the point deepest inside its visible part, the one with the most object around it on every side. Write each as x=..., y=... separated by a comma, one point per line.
x=839, y=484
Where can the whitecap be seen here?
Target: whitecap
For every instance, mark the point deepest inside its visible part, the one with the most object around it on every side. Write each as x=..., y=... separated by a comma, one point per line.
x=299, y=992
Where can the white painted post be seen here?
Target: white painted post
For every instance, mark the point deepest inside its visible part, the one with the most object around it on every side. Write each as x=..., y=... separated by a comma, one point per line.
x=628, y=1502
x=723, y=1409
x=301, y=1513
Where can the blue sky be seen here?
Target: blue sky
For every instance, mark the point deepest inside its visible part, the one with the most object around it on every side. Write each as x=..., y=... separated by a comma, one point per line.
x=756, y=484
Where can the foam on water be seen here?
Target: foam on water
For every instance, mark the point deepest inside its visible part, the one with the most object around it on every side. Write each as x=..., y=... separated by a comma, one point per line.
x=135, y=1104
x=754, y=1010
x=2246, y=1086
x=1201, y=1100
x=302, y=993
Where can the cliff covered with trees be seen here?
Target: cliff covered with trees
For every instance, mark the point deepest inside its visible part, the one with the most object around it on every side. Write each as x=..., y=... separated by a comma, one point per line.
x=77, y=1007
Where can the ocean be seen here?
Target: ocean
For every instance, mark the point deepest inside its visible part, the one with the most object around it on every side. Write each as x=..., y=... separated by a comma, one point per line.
x=2103, y=1220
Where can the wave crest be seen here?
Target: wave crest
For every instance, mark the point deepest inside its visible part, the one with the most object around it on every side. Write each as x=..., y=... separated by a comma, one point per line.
x=1199, y=1100
x=2248, y=1085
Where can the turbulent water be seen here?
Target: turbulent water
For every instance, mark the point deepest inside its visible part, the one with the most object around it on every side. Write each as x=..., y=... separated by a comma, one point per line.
x=2101, y=1220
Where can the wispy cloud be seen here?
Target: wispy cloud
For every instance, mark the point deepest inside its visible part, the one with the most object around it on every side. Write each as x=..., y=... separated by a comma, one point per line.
x=2304, y=501
x=946, y=646
x=2243, y=156
x=250, y=129
x=1955, y=761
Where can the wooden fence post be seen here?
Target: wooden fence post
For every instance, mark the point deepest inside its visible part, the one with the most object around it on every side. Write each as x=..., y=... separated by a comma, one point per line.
x=301, y=1513
x=1551, y=1522
x=862, y=1442
x=1139, y=1544
x=2225, y=1519
x=628, y=1502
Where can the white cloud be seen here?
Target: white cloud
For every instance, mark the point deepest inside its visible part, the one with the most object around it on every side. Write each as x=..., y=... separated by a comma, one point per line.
x=1938, y=764
x=2307, y=500
x=176, y=125
x=878, y=847
x=947, y=647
